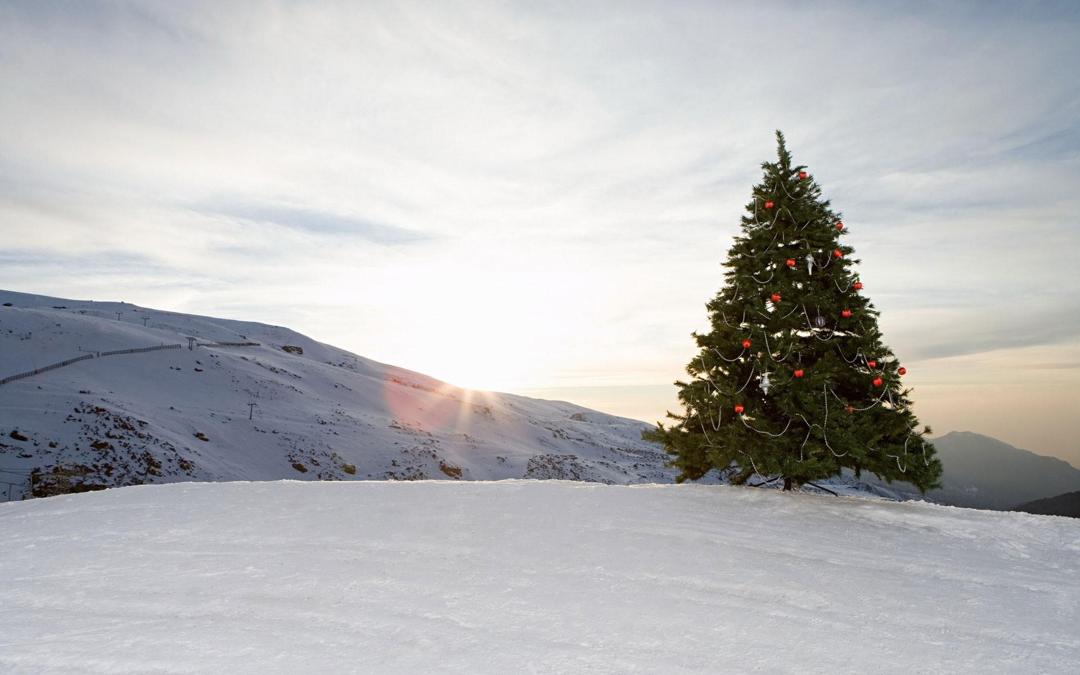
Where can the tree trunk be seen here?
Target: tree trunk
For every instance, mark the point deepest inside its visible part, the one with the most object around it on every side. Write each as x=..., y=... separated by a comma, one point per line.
x=787, y=484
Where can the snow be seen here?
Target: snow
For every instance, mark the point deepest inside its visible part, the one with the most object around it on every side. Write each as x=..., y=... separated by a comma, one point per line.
x=325, y=414
x=529, y=576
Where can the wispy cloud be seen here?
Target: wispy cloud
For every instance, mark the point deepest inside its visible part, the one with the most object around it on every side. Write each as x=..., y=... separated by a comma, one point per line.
x=313, y=221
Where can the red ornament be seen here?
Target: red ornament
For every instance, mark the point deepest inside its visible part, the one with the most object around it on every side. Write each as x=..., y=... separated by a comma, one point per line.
x=849, y=409
x=746, y=344
x=871, y=364
x=902, y=370
x=798, y=373
x=775, y=298
x=790, y=262
x=857, y=285
x=739, y=409
x=837, y=254
x=768, y=205
x=878, y=381
x=802, y=175
x=846, y=313
x=839, y=225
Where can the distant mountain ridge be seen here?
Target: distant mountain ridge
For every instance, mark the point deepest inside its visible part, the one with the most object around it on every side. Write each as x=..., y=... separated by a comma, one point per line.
x=1067, y=504
x=983, y=472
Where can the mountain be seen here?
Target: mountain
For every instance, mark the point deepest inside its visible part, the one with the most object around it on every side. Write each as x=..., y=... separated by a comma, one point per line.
x=529, y=576
x=179, y=414
x=1063, y=505
x=985, y=473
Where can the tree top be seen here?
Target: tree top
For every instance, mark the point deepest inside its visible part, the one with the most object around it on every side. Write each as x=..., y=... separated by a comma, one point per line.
x=782, y=151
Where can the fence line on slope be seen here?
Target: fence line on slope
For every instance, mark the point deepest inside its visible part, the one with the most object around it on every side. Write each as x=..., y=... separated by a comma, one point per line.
x=229, y=344
x=68, y=362
x=138, y=350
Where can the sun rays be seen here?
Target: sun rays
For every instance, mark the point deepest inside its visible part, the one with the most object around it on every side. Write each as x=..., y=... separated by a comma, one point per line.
x=427, y=406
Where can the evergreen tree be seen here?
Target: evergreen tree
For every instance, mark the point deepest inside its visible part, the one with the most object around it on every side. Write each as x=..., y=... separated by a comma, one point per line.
x=793, y=381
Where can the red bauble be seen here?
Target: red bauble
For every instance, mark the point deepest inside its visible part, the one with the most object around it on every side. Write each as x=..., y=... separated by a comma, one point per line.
x=871, y=364
x=878, y=381
x=857, y=285
x=768, y=205
x=902, y=370
x=802, y=175
x=790, y=262
x=840, y=225
x=837, y=254
x=739, y=409
x=846, y=313
x=798, y=373
x=746, y=344
x=849, y=409
x=775, y=298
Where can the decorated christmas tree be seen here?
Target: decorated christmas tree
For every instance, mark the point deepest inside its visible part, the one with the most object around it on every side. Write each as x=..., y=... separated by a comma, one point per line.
x=793, y=381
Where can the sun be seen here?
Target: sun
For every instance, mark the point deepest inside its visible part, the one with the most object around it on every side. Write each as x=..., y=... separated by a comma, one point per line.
x=484, y=350
x=480, y=366
x=481, y=322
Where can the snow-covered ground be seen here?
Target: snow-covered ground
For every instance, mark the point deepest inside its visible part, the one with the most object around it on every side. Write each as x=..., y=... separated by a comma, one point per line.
x=529, y=576
x=320, y=412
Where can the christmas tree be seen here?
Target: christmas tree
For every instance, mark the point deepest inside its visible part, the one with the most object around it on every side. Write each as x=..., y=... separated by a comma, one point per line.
x=793, y=381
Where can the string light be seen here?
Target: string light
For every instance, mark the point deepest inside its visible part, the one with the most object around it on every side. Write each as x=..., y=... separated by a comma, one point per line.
x=771, y=275
x=742, y=418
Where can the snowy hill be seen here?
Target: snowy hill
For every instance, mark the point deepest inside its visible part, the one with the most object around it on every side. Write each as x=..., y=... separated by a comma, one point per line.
x=529, y=576
x=321, y=413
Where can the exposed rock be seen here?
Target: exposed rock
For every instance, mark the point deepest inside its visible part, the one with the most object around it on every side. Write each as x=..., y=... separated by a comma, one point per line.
x=450, y=470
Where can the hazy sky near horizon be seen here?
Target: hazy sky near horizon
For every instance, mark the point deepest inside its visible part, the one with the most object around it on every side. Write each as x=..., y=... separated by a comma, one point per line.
x=536, y=197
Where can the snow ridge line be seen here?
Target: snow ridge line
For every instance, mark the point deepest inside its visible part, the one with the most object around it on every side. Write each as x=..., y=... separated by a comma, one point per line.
x=68, y=362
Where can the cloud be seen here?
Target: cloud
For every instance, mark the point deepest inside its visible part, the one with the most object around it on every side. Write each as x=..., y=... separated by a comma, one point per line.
x=965, y=331
x=313, y=221
x=18, y=262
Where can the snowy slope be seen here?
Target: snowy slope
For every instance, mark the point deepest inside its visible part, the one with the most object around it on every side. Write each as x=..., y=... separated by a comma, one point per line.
x=529, y=576
x=174, y=415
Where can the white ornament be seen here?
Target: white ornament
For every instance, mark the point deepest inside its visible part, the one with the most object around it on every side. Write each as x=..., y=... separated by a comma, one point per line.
x=809, y=264
x=765, y=383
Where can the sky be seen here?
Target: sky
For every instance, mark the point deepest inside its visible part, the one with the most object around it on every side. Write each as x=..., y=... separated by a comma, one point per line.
x=536, y=197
